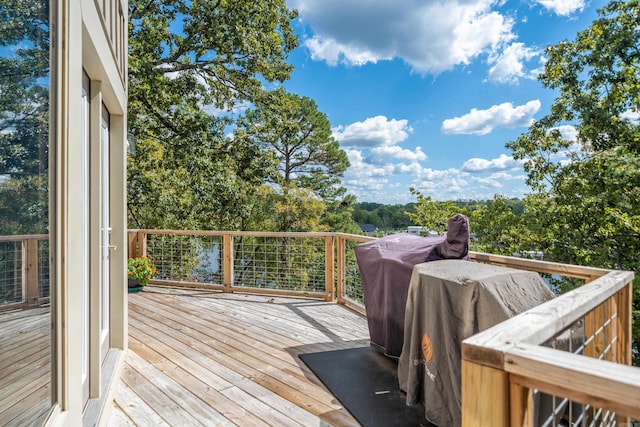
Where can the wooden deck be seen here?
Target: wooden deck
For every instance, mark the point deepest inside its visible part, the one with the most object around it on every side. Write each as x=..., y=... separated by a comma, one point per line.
x=208, y=358
x=25, y=366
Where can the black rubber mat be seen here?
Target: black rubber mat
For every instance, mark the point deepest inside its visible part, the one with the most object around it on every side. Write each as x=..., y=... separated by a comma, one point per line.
x=366, y=384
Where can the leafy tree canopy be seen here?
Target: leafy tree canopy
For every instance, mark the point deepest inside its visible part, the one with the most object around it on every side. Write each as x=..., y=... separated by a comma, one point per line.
x=24, y=116
x=292, y=133
x=587, y=210
x=298, y=136
x=189, y=63
x=432, y=214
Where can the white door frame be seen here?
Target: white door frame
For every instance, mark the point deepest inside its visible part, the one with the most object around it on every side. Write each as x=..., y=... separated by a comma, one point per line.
x=105, y=231
x=86, y=247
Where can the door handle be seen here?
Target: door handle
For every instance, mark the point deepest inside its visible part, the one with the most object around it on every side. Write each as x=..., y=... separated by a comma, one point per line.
x=112, y=247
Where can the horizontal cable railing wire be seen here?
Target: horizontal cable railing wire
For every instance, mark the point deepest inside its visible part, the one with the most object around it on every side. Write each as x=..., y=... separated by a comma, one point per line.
x=296, y=263
x=24, y=271
x=286, y=263
x=594, y=335
x=186, y=258
x=353, y=283
x=10, y=272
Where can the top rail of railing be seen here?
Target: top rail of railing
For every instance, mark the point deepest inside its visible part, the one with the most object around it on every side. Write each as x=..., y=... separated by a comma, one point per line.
x=566, y=270
x=20, y=237
x=237, y=233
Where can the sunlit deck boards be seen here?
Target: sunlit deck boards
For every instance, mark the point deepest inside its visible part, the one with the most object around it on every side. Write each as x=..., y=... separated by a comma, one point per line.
x=207, y=358
x=25, y=366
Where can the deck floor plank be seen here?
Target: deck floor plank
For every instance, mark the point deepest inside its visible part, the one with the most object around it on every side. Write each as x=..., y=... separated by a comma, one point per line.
x=119, y=419
x=153, y=394
x=136, y=410
x=248, y=365
x=225, y=325
x=181, y=389
x=214, y=398
x=205, y=368
x=25, y=366
x=198, y=357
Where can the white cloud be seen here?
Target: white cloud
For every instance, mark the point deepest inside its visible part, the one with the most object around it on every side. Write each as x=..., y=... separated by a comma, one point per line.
x=508, y=66
x=438, y=183
x=503, y=162
x=235, y=110
x=562, y=7
x=430, y=36
x=332, y=52
x=6, y=130
x=632, y=116
x=373, y=132
x=568, y=132
x=478, y=179
x=502, y=175
x=368, y=184
x=360, y=169
x=380, y=155
x=482, y=122
x=488, y=182
x=391, y=182
x=496, y=180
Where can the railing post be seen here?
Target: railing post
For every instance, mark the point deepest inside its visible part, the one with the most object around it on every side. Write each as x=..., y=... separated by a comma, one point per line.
x=521, y=411
x=624, y=307
x=593, y=349
x=30, y=270
x=590, y=327
x=341, y=255
x=142, y=243
x=227, y=269
x=329, y=264
x=133, y=244
x=19, y=277
x=485, y=396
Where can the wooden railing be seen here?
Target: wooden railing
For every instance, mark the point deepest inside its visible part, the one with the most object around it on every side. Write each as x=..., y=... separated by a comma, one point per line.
x=323, y=262
x=24, y=267
x=507, y=371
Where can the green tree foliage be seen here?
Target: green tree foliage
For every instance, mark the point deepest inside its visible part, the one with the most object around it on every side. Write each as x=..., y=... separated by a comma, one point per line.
x=191, y=63
x=500, y=227
x=299, y=137
x=292, y=132
x=289, y=209
x=587, y=210
x=24, y=116
x=386, y=217
x=338, y=216
x=432, y=214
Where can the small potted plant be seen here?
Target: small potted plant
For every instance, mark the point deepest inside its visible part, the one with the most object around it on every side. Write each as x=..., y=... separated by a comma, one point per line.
x=140, y=271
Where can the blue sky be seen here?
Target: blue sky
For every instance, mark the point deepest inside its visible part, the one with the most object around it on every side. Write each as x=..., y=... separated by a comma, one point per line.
x=427, y=93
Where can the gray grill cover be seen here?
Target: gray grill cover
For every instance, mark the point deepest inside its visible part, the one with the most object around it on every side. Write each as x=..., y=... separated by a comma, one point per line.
x=449, y=301
x=385, y=267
